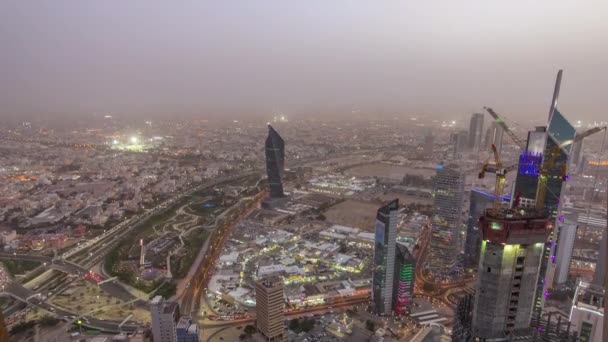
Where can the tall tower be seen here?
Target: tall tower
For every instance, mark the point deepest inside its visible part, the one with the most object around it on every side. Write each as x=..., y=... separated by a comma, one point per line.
x=494, y=136
x=511, y=252
x=475, y=131
x=270, y=316
x=428, y=145
x=384, y=258
x=275, y=162
x=448, y=194
x=403, y=289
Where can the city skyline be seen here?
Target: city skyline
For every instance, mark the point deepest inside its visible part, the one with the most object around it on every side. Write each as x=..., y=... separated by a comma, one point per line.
x=319, y=171
x=220, y=59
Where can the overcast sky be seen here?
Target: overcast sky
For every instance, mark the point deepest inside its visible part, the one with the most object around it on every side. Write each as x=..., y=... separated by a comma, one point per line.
x=200, y=57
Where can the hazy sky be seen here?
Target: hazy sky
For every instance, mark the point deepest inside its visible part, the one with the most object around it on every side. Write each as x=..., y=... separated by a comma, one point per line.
x=193, y=56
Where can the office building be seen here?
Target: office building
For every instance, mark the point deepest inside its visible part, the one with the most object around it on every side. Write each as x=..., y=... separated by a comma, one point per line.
x=494, y=136
x=599, y=277
x=566, y=234
x=511, y=252
x=428, y=145
x=384, y=258
x=448, y=193
x=275, y=162
x=459, y=142
x=404, y=278
x=475, y=131
x=587, y=312
x=479, y=201
x=165, y=316
x=270, y=315
x=186, y=330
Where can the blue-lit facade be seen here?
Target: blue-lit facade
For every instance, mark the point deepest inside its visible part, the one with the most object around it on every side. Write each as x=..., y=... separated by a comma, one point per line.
x=275, y=162
x=478, y=202
x=384, y=258
x=526, y=181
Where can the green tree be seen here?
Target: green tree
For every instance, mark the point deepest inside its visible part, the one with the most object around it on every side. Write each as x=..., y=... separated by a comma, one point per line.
x=370, y=325
x=249, y=330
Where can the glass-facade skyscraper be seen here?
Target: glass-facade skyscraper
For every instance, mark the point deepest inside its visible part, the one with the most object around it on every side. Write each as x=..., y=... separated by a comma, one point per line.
x=275, y=162
x=384, y=258
x=448, y=194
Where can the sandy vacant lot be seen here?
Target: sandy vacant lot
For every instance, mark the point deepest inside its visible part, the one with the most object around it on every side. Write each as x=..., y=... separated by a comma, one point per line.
x=396, y=172
x=353, y=213
x=404, y=199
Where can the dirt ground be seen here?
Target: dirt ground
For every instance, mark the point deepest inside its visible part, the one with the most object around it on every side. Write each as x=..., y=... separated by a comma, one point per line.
x=396, y=172
x=353, y=213
x=88, y=297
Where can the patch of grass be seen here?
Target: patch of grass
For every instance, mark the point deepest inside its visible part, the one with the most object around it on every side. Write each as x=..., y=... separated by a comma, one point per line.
x=19, y=266
x=193, y=243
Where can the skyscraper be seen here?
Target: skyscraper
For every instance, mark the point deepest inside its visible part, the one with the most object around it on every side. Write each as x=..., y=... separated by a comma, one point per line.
x=478, y=202
x=459, y=142
x=566, y=234
x=165, y=316
x=275, y=162
x=428, y=145
x=448, y=193
x=270, y=315
x=404, y=278
x=511, y=252
x=384, y=258
x=475, y=131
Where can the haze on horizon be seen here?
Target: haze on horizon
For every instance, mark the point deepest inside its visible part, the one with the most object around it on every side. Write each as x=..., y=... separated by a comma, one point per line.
x=441, y=58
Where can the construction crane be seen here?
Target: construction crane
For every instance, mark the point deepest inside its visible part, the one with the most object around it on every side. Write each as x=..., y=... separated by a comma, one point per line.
x=543, y=175
x=499, y=121
x=501, y=173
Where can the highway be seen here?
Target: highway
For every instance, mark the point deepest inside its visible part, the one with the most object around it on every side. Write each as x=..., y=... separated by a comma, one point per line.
x=190, y=300
x=312, y=310
x=111, y=288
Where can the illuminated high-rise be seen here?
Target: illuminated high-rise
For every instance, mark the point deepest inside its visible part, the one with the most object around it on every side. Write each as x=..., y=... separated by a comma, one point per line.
x=275, y=162
x=511, y=253
x=384, y=258
x=403, y=288
x=448, y=194
x=475, y=131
